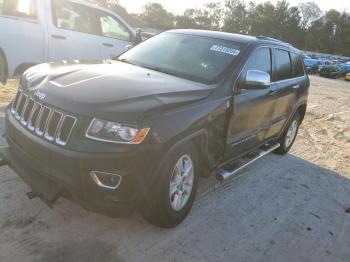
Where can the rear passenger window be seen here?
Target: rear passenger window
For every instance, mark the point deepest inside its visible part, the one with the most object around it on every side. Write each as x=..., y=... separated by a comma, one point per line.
x=260, y=59
x=297, y=65
x=19, y=8
x=73, y=17
x=284, y=67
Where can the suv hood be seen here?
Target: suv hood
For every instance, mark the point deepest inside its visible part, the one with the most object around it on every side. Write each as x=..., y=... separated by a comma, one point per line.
x=111, y=90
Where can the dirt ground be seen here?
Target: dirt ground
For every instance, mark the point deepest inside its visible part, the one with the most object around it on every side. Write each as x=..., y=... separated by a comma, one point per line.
x=290, y=208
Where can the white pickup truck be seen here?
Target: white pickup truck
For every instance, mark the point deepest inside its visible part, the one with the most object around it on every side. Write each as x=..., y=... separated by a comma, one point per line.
x=37, y=31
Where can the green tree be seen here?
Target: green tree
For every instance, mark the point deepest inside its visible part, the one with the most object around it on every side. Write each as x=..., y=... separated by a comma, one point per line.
x=236, y=19
x=154, y=15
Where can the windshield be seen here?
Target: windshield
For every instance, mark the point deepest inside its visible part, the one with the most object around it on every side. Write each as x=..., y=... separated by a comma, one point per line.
x=193, y=57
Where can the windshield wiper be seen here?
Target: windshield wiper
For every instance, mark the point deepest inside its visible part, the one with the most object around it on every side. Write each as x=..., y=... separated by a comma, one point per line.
x=124, y=60
x=165, y=71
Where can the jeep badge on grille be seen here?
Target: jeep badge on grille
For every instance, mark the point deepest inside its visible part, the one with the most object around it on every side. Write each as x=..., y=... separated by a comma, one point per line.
x=39, y=94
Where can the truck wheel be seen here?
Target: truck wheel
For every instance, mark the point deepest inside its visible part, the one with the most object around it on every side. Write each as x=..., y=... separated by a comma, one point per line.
x=289, y=135
x=3, y=69
x=172, y=197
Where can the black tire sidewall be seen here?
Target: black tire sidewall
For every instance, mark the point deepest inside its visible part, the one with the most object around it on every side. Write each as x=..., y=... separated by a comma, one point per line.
x=283, y=149
x=163, y=214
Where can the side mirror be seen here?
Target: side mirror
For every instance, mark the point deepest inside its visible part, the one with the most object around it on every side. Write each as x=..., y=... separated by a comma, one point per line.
x=256, y=79
x=138, y=36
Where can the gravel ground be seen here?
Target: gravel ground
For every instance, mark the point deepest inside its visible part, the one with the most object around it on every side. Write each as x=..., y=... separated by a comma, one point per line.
x=290, y=208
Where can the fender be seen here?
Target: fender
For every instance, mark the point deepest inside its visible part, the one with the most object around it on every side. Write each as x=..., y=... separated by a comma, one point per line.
x=198, y=134
x=4, y=75
x=146, y=188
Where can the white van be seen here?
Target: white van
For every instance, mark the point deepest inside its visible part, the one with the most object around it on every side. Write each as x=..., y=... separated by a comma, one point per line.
x=37, y=31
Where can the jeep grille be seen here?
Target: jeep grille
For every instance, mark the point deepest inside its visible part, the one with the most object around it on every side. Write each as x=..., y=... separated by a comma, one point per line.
x=42, y=120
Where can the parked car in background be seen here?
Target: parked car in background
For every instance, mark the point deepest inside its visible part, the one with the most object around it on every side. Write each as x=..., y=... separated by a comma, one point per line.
x=323, y=63
x=346, y=67
x=332, y=71
x=347, y=77
x=33, y=32
x=342, y=69
x=311, y=66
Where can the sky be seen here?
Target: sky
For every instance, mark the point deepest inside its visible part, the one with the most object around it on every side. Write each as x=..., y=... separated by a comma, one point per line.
x=178, y=6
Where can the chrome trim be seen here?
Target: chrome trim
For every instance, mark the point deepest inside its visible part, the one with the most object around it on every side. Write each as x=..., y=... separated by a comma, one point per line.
x=225, y=174
x=257, y=78
x=100, y=184
x=31, y=125
x=38, y=131
x=39, y=125
x=18, y=115
x=23, y=121
x=15, y=101
x=47, y=135
x=58, y=140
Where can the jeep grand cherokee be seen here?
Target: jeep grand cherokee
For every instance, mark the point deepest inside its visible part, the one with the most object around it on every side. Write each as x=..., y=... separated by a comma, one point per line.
x=139, y=131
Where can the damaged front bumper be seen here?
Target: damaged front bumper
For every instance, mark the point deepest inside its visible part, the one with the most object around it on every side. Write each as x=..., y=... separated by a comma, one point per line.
x=52, y=171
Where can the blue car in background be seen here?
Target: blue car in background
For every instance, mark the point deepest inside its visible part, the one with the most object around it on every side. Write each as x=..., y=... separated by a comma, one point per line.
x=311, y=65
x=346, y=68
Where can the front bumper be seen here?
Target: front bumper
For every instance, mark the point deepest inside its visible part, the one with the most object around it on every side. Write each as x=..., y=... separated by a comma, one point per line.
x=52, y=171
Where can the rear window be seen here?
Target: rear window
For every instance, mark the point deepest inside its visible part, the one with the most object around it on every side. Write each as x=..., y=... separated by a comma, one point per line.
x=297, y=65
x=284, y=67
x=19, y=8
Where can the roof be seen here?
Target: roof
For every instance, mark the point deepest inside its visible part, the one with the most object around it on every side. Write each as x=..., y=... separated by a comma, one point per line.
x=244, y=39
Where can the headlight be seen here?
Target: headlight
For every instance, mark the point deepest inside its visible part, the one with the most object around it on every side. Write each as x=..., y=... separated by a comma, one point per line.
x=108, y=131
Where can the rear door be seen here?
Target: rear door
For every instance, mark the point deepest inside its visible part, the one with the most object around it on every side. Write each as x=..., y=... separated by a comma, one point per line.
x=252, y=110
x=116, y=37
x=74, y=32
x=289, y=79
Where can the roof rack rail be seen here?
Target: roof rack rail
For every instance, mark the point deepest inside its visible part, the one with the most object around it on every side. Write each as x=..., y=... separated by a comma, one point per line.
x=268, y=38
x=262, y=37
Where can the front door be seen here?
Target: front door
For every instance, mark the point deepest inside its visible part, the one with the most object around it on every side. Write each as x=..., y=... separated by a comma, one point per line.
x=252, y=109
x=116, y=36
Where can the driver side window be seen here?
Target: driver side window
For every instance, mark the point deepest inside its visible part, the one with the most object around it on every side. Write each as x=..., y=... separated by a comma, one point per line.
x=260, y=60
x=111, y=27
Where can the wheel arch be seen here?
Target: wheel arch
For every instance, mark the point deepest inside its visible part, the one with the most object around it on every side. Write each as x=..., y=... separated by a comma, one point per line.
x=301, y=110
x=198, y=139
x=22, y=68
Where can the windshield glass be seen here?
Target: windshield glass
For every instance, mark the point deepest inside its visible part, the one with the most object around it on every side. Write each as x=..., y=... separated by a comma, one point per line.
x=197, y=58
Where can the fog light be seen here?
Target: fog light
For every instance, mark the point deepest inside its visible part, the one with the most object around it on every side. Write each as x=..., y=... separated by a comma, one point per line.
x=106, y=180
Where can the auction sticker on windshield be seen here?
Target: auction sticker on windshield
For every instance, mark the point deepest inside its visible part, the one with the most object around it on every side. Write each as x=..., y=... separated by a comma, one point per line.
x=225, y=50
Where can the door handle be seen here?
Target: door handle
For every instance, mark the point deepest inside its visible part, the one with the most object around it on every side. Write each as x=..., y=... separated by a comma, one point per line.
x=61, y=37
x=108, y=45
x=296, y=86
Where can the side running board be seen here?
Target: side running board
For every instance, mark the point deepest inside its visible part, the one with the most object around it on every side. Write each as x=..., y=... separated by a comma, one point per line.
x=230, y=171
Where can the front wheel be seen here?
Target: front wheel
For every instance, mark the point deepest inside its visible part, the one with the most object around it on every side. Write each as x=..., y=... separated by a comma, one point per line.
x=173, y=194
x=289, y=135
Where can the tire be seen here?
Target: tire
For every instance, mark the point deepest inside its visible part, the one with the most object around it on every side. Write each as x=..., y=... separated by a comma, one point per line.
x=287, y=139
x=3, y=68
x=159, y=207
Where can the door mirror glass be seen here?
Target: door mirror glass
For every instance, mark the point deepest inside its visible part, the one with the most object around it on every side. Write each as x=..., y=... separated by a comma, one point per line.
x=256, y=79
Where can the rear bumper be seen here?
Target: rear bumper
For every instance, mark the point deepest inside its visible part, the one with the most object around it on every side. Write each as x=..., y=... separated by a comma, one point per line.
x=52, y=171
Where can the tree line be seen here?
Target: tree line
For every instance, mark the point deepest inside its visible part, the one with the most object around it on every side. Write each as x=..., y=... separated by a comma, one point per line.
x=305, y=26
